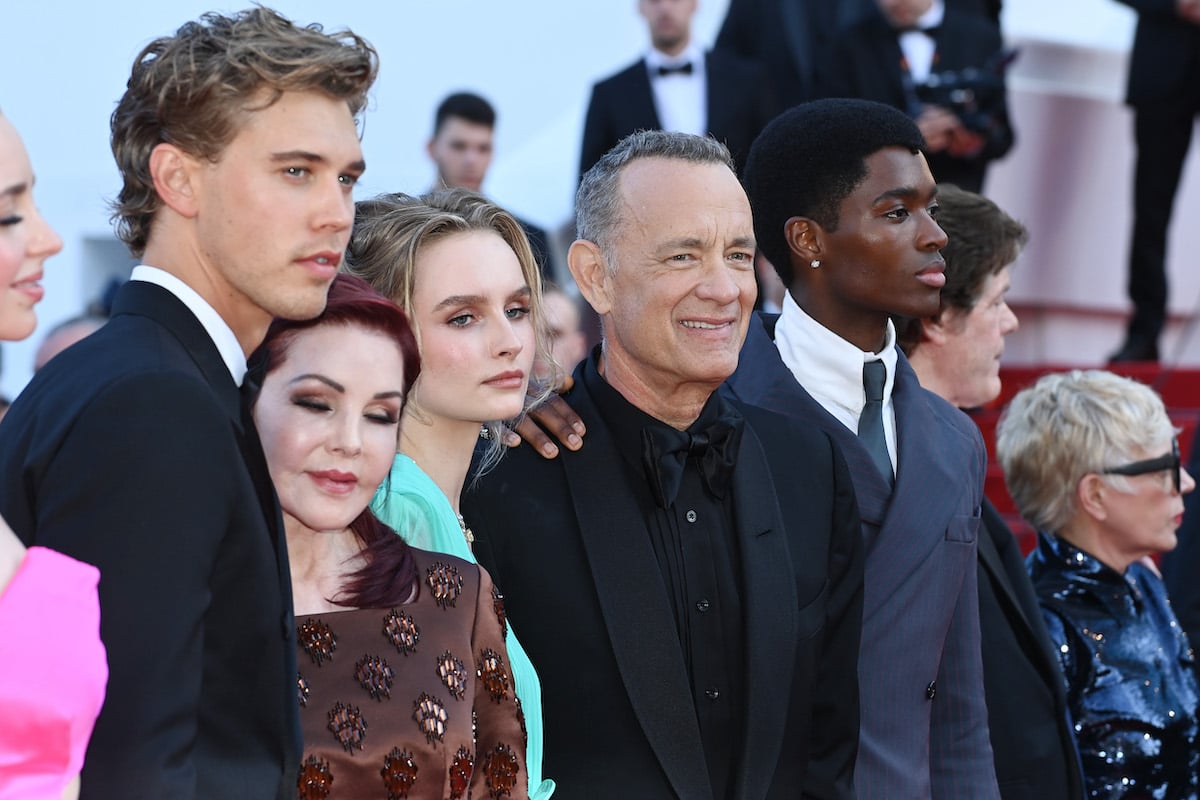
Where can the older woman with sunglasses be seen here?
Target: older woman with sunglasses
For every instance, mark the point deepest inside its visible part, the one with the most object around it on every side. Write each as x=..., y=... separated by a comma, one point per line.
x=1091, y=460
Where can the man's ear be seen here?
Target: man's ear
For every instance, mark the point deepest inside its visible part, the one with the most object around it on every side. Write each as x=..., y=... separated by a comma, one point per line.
x=176, y=177
x=429, y=149
x=934, y=329
x=590, y=270
x=804, y=238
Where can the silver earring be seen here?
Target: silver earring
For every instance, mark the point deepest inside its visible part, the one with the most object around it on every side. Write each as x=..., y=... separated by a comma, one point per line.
x=816, y=262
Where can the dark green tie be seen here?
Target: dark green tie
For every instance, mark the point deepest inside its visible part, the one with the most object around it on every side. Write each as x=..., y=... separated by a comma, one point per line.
x=870, y=423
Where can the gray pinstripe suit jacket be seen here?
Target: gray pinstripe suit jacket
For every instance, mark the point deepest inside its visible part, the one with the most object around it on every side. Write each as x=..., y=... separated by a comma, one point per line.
x=924, y=729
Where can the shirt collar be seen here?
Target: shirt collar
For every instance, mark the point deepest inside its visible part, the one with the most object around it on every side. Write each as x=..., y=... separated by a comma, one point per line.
x=217, y=329
x=691, y=54
x=933, y=17
x=826, y=365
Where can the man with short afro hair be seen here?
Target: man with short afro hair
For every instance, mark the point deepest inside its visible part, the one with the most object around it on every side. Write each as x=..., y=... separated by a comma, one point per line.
x=844, y=208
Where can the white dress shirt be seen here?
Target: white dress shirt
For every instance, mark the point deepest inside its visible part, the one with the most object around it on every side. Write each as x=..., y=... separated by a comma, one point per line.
x=216, y=328
x=681, y=101
x=831, y=368
x=918, y=47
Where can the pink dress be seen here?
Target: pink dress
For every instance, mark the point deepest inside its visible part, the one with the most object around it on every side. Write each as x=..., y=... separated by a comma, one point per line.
x=52, y=673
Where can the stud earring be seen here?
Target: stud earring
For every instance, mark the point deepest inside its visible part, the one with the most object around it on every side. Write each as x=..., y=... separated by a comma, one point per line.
x=816, y=262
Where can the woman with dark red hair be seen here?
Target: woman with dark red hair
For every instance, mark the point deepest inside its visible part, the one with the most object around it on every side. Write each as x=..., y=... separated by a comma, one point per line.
x=403, y=684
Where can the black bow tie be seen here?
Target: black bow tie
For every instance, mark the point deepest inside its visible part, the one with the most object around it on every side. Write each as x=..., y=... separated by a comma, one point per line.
x=678, y=69
x=931, y=31
x=665, y=452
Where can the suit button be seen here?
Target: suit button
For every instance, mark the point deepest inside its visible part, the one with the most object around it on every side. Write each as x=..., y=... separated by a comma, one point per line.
x=702, y=606
x=690, y=515
x=931, y=690
x=711, y=694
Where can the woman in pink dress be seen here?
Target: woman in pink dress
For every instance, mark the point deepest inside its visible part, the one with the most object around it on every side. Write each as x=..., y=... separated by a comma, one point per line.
x=52, y=663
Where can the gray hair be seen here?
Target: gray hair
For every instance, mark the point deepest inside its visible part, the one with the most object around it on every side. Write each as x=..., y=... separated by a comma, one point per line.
x=1072, y=424
x=598, y=200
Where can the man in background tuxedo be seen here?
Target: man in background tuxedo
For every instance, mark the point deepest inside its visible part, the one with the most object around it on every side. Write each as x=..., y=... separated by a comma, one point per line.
x=689, y=581
x=1164, y=92
x=464, y=128
x=237, y=144
x=676, y=86
x=792, y=37
x=904, y=56
x=956, y=354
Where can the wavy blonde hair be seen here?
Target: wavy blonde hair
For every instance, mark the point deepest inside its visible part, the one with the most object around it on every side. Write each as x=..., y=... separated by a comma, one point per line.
x=389, y=233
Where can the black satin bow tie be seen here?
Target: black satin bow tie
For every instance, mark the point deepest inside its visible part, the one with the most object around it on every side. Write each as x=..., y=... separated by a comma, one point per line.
x=931, y=31
x=665, y=452
x=678, y=69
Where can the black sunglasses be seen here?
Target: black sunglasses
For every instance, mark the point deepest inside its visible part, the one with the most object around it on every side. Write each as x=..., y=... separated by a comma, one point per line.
x=1169, y=461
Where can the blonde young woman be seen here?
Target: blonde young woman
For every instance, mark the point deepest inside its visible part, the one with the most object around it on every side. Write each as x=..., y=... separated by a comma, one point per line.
x=463, y=271
x=52, y=663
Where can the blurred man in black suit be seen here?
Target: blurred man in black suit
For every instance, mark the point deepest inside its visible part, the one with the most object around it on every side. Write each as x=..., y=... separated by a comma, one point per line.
x=676, y=86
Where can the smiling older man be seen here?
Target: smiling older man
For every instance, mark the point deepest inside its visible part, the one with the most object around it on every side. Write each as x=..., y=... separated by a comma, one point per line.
x=689, y=582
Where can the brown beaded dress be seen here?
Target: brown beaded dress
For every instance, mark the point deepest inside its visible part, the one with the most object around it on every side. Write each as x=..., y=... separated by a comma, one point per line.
x=414, y=701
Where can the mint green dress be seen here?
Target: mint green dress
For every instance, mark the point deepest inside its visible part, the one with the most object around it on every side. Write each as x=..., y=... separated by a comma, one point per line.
x=410, y=503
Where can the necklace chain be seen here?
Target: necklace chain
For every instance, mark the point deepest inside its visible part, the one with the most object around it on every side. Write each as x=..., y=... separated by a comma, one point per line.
x=462, y=523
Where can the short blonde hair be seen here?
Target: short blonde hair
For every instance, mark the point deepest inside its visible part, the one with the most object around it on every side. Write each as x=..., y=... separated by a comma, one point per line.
x=1071, y=424
x=389, y=232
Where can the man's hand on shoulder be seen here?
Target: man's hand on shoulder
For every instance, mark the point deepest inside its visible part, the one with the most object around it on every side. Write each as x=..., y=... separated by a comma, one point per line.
x=553, y=416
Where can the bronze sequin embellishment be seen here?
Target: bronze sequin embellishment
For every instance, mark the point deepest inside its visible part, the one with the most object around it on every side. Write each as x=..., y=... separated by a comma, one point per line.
x=521, y=719
x=347, y=725
x=500, y=770
x=315, y=780
x=430, y=716
x=460, y=773
x=302, y=690
x=401, y=631
x=399, y=774
x=453, y=673
x=374, y=674
x=445, y=583
x=492, y=673
x=318, y=640
x=498, y=605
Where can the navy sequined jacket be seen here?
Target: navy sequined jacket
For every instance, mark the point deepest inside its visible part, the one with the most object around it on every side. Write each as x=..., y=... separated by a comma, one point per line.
x=1131, y=688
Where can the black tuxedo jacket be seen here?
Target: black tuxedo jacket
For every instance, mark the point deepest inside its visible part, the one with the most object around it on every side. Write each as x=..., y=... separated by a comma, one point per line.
x=866, y=63
x=128, y=452
x=791, y=37
x=570, y=550
x=740, y=104
x=1164, y=64
x=1026, y=696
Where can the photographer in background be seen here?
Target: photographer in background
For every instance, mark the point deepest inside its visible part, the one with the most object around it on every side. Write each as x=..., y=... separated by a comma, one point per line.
x=944, y=67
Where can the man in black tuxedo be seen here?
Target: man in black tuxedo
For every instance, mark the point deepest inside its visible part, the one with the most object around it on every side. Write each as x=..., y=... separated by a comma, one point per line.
x=678, y=87
x=689, y=582
x=1164, y=91
x=237, y=145
x=956, y=354
x=792, y=37
x=940, y=64
x=461, y=148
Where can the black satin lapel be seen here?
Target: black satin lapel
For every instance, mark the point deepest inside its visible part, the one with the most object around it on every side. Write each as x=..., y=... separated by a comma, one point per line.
x=989, y=556
x=769, y=599
x=636, y=611
x=641, y=102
